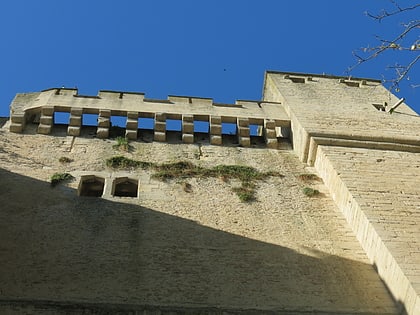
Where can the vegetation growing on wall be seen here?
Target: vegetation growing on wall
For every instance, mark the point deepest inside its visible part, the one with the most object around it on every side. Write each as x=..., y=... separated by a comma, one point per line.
x=310, y=192
x=60, y=177
x=122, y=144
x=183, y=169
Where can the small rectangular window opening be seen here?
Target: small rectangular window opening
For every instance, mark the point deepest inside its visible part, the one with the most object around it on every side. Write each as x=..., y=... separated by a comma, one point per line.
x=173, y=124
x=91, y=186
x=201, y=126
x=118, y=121
x=61, y=118
x=229, y=128
x=117, y=128
x=90, y=119
x=125, y=187
x=255, y=130
x=379, y=107
x=146, y=123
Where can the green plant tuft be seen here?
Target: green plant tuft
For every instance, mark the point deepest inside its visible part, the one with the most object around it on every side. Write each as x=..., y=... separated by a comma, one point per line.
x=310, y=192
x=123, y=162
x=60, y=177
x=245, y=194
x=122, y=144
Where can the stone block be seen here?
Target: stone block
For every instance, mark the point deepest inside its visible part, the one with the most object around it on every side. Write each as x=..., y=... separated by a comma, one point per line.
x=216, y=140
x=75, y=120
x=243, y=131
x=215, y=129
x=104, y=113
x=269, y=124
x=270, y=133
x=102, y=133
x=215, y=120
x=188, y=118
x=76, y=111
x=245, y=141
x=160, y=117
x=271, y=143
x=243, y=122
x=188, y=138
x=132, y=124
x=132, y=115
x=44, y=129
x=73, y=131
x=160, y=126
x=46, y=120
x=47, y=110
x=187, y=127
x=160, y=136
x=131, y=134
x=18, y=118
x=16, y=127
x=103, y=122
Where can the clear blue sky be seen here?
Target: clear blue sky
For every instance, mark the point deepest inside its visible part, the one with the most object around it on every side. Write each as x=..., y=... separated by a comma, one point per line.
x=218, y=48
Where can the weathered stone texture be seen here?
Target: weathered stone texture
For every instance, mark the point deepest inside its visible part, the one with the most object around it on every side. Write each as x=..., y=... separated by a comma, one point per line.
x=369, y=159
x=202, y=251
x=379, y=194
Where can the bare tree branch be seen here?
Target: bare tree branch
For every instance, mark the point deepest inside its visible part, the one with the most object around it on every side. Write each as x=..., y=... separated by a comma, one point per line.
x=404, y=43
x=384, y=14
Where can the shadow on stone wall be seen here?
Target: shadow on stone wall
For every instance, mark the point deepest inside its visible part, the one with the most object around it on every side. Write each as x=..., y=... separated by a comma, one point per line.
x=63, y=254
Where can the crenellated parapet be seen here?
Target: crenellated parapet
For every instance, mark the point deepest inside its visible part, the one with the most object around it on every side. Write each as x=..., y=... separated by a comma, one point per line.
x=266, y=117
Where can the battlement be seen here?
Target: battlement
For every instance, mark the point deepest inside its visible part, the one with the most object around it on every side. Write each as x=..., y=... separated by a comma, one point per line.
x=267, y=117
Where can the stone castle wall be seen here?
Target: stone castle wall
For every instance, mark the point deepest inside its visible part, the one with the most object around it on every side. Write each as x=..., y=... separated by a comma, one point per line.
x=190, y=250
x=370, y=161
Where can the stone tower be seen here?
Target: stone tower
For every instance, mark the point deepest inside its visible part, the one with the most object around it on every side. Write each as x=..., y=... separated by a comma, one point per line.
x=306, y=202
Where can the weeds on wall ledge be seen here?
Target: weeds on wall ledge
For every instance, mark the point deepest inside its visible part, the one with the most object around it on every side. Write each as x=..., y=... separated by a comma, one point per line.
x=58, y=178
x=182, y=169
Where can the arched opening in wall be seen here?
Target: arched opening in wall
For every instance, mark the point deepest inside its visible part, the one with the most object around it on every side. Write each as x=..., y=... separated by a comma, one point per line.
x=89, y=124
x=118, y=124
x=201, y=131
x=61, y=122
x=125, y=187
x=146, y=125
x=229, y=132
x=91, y=186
